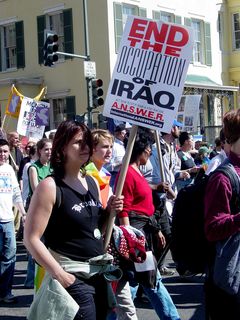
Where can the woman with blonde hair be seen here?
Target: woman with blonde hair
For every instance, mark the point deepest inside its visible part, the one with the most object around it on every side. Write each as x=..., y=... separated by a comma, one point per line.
x=102, y=154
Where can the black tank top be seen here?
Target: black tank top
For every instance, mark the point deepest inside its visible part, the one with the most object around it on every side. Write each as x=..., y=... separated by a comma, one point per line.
x=186, y=163
x=73, y=228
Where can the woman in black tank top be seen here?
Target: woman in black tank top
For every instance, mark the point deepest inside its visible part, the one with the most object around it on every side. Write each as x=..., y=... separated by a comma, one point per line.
x=66, y=208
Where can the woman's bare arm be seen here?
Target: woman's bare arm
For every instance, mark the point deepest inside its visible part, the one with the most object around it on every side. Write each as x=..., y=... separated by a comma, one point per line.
x=37, y=219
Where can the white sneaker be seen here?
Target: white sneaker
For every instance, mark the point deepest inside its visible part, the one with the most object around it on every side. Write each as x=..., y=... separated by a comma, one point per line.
x=166, y=271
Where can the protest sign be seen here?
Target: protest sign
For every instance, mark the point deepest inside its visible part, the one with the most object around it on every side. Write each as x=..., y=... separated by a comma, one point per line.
x=188, y=112
x=149, y=74
x=147, y=82
x=15, y=99
x=33, y=118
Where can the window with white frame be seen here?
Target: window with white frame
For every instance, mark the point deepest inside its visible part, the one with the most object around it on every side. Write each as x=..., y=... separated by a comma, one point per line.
x=55, y=22
x=198, y=41
x=8, y=47
x=236, y=31
x=128, y=10
x=166, y=16
x=61, y=22
x=121, y=12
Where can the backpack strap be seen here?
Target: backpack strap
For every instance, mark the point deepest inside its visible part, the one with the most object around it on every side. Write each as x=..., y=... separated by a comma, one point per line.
x=229, y=171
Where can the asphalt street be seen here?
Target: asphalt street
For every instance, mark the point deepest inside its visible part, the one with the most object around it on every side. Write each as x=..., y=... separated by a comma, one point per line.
x=187, y=294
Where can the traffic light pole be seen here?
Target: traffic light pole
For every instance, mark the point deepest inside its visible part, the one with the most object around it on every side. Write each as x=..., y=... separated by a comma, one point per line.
x=87, y=52
x=86, y=57
x=72, y=55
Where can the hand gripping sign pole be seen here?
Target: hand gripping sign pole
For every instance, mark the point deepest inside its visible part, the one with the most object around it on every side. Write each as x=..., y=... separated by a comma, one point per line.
x=120, y=182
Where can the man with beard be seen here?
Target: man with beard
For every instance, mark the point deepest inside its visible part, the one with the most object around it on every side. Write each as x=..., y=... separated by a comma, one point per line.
x=164, y=199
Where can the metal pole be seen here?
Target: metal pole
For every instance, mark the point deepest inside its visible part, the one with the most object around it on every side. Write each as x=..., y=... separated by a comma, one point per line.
x=88, y=81
x=72, y=55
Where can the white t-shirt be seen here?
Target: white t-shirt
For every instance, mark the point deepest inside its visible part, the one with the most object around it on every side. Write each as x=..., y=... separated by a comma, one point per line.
x=9, y=192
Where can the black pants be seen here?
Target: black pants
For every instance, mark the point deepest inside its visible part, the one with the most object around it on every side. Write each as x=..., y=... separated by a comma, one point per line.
x=91, y=296
x=219, y=304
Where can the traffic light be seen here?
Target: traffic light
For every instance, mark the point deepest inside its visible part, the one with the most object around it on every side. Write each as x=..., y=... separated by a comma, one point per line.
x=97, y=93
x=50, y=49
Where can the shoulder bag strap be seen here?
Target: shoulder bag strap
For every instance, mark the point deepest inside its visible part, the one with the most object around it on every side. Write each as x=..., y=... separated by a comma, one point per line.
x=228, y=170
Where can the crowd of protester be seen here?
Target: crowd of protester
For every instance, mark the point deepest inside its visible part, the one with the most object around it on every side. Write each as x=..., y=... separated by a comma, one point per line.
x=60, y=193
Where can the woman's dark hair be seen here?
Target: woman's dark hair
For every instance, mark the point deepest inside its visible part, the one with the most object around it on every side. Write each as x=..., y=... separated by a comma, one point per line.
x=222, y=136
x=32, y=150
x=64, y=134
x=231, y=126
x=144, y=139
x=184, y=135
x=41, y=144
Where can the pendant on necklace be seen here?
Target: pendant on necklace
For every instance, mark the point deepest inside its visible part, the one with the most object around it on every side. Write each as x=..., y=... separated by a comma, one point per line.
x=97, y=233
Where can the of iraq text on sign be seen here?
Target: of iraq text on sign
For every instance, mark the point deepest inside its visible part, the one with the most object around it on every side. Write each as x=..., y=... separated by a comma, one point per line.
x=149, y=75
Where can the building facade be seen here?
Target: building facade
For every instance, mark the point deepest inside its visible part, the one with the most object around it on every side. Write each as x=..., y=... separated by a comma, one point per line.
x=22, y=30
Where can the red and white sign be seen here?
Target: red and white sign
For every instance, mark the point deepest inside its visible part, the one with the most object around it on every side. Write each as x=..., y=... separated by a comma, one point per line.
x=149, y=74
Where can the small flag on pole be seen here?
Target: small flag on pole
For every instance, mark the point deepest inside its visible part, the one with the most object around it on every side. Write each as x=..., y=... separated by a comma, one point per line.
x=14, y=103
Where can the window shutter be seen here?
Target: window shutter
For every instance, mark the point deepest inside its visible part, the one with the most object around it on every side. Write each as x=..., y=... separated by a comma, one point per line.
x=70, y=107
x=118, y=24
x=156, y=15
x=208, y=50
x=178, y=19
x=20, y=44
x=41, y=25
x=68, y=32
x=142, y=12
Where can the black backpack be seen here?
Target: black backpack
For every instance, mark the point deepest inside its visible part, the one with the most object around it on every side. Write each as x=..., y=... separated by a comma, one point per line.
x=190, y=249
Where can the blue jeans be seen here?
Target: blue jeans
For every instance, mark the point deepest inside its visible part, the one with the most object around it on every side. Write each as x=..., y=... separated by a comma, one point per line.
x=7, y=257
x=160, y=300
x=29, y=281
